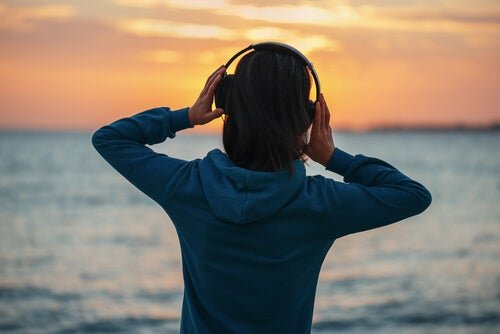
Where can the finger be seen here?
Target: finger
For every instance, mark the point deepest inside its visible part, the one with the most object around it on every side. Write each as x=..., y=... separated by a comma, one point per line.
x=322, y=114
x=327, y=112
x=218, y=112
x=212, y=76
x=210, y=79
x=214, y=73
x=210, y=116
x=317, y=117
x=213, y=86
x=324, y=122
x=327, y=117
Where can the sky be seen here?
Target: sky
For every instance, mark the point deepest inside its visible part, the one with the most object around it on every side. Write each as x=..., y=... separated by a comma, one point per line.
x=77, y=65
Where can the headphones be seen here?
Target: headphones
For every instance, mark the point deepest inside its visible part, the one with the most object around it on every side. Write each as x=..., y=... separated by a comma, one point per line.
x=223, y=86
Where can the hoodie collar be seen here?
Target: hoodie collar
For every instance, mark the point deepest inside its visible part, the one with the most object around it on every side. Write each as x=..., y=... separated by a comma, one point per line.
x=240, y=195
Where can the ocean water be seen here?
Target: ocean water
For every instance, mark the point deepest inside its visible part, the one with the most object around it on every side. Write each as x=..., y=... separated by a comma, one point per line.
x=83, y=251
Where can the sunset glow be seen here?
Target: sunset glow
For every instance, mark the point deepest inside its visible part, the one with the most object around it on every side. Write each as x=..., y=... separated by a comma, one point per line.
x=80, y=64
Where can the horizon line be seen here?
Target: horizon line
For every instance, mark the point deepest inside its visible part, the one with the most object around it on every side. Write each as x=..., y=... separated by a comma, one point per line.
x=491, y=126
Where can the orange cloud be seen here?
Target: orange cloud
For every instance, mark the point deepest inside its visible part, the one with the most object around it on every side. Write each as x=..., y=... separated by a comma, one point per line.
x=336, y=13
x=162, y=28
x=24, y=18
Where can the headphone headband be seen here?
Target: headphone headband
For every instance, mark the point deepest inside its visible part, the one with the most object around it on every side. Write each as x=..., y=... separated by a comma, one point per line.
x=283, y=48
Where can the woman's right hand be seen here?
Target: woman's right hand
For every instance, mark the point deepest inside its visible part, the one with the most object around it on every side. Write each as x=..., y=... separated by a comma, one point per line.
x=321, y=146
x=201, y=111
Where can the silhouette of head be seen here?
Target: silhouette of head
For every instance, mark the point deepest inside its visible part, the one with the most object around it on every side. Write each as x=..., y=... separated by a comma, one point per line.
x=267, y=111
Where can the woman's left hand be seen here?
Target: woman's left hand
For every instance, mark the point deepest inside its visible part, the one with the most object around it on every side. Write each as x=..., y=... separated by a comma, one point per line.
x=201, y=112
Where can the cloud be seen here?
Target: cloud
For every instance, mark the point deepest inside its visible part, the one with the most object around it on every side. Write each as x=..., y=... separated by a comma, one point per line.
x=300, y=14
x=191, y=4
x=306, y=43
x=455, y=14
x=166, y=28
x=372, y=17
x=452, y=18
x=25, y=18
x=295, y=12
x=440, y=19
x=264, y=3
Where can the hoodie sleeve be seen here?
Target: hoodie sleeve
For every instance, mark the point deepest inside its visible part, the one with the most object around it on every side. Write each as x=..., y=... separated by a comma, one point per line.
x=374, y=194
x=123, y=145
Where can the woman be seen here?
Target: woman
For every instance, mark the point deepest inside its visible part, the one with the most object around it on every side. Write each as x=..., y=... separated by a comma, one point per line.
x=253, y=228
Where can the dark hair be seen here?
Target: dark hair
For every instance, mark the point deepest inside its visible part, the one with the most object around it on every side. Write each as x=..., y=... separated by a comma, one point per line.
x=266, y=109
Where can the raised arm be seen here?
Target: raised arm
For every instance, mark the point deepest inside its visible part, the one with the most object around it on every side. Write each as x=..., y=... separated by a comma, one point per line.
x=374, y=194
x=123, y=145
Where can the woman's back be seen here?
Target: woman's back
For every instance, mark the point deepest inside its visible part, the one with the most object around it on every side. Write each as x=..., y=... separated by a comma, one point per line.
x=252, y=247
x=252, y=242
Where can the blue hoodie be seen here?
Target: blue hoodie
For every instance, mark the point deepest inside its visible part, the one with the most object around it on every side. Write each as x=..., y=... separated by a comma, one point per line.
x=252, y=243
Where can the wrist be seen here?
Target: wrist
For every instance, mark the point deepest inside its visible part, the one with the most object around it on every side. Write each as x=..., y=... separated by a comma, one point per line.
x=179, y=119
x=328, y=157
x=191, y=116
x=340, y=161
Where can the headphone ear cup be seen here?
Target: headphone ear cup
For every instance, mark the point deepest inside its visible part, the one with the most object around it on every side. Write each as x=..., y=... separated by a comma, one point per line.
x=221, y=91
x=311, y=108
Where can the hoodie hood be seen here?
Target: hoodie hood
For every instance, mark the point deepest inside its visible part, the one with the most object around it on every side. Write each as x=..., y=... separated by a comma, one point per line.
x=238, y=195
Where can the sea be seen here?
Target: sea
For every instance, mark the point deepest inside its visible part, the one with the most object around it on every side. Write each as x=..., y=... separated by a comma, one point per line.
x=83, y=251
